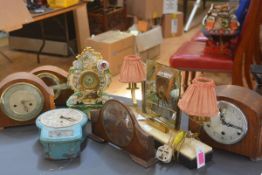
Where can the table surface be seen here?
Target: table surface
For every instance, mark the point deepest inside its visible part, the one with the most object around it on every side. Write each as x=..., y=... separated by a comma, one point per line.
x=21, y=153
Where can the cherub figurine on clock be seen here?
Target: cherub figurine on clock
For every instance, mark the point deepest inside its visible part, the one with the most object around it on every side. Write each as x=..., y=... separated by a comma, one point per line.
x=88, y=77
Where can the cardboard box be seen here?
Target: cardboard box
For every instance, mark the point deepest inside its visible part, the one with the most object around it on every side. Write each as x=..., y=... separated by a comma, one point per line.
x=114, y=46
x=170, y=6
x=172, y=24
x=149, y=39
x=145, y=9
x=148, y=43
x=150, y=54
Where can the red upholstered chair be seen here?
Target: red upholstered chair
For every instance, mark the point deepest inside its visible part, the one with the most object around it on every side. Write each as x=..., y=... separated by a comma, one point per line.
x=191, y=57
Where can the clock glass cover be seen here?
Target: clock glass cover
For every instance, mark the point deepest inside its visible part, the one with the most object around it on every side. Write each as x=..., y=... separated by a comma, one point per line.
x=22, y=101
x=118, y=123
x=60, y=118
x=230, y=126
x=89, y=80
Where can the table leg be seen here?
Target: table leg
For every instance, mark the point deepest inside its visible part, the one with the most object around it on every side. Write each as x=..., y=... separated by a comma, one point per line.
x=185, y=4
x=81, y=27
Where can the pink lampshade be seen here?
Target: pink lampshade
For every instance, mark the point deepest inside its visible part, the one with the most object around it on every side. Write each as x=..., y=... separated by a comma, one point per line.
x=200, y=98
x=132, y=70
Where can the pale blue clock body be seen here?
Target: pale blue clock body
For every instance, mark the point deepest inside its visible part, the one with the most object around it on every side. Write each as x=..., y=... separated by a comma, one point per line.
x=63, y=142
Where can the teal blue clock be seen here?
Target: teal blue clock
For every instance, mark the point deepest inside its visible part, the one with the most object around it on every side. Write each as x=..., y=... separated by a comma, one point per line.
x=62, y=132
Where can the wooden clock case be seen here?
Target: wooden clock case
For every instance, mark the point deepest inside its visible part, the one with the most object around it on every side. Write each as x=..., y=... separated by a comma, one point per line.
x=25, y=77
x=61, y=75
x=250, y=103
x=141, y=148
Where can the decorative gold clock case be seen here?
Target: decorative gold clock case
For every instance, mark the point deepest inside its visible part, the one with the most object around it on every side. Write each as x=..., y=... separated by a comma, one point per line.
x=89, y=77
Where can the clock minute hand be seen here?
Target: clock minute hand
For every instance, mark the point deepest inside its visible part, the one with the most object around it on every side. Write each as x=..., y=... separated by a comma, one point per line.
x=222, y=118
x=67, y=118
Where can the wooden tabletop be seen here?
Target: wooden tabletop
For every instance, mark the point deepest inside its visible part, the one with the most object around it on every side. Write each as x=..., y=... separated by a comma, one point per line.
x=55, y=12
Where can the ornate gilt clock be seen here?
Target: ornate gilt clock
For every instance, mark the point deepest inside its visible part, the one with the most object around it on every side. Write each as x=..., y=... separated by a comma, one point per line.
x=238, y=126
x=56, y=78
x=117, y=124
x=23, y=97
x=88, y=78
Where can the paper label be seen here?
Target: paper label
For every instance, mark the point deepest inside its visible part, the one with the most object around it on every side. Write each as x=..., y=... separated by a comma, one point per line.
x=174, y=25
x=169, y=6
x=201, y=159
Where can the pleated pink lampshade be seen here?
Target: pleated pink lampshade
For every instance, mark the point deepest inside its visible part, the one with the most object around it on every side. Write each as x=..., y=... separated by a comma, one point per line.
x=200, y=98
x=132, y=70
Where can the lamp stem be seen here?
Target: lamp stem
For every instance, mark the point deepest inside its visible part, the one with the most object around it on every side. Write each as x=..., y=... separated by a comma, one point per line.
x=143, y=96
x=133, y=93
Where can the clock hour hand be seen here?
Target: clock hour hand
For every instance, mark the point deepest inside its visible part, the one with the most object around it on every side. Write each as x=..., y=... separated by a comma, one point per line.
x=222, y=119
x=24, y=105
x=67, y=118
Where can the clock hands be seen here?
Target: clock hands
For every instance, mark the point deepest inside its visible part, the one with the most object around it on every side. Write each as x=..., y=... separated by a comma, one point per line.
x=67, y=118
x=24, y=105
x=222, y=119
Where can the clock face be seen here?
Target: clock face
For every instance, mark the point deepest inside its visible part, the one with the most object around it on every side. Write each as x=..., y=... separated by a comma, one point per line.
x=22, y=101
x=89, y=80
x=230, y=126
x=60, y=118
x=117, y=123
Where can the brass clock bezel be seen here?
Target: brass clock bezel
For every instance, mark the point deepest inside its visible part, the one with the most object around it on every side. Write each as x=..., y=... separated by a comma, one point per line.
x=53, y=77
x=2, y=103
x=83, y=86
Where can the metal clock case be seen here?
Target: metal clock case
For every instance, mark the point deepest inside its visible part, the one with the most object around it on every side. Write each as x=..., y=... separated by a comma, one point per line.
x=117, y=124
x=238, y=127
x=62, y=132
x=56, y=78
x=23, y=97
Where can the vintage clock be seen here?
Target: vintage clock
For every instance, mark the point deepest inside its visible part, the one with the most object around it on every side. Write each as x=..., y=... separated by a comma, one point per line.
x=238, y=126
x=56, y=78
x=88, y=78
x=23, y=97
x=117, y=124
x=62, y=132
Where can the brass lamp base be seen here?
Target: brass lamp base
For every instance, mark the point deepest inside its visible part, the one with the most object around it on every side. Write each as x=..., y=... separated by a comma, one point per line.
x=200, y=119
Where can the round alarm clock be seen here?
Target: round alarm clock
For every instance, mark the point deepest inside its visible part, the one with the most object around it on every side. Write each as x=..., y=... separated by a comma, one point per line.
x=23, y=96
x=238, y=126
x=62, y=132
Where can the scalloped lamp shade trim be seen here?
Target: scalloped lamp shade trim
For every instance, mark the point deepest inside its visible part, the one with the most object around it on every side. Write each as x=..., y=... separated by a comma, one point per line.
x=132, y=70
x=200, y=98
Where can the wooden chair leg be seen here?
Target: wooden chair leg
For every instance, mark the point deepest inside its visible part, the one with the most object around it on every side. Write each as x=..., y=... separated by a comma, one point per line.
x=185, y=85
x=193, y=75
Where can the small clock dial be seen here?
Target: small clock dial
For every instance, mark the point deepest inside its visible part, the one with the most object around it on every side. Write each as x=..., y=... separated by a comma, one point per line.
x=230, y=126
x=89, y=80
x=22, y=101
x=117, y=123
x=59, y=118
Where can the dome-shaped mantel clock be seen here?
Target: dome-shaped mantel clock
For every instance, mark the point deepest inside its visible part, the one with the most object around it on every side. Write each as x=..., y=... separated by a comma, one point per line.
x=23, y=97
x=88, y=77
x=238, y=126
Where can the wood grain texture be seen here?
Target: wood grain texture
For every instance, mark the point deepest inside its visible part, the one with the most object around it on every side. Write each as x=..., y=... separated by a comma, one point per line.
x=25, y=77
x=141, y=148
x=250, y=103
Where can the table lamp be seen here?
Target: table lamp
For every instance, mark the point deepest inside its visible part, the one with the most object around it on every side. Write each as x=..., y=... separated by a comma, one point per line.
x=199, y=100
x=132, y=71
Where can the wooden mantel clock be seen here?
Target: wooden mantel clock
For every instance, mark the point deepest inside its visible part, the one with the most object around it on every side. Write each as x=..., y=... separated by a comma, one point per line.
x=56, y=78
x=23, y=97
x=117, y=124
x=238, y=126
